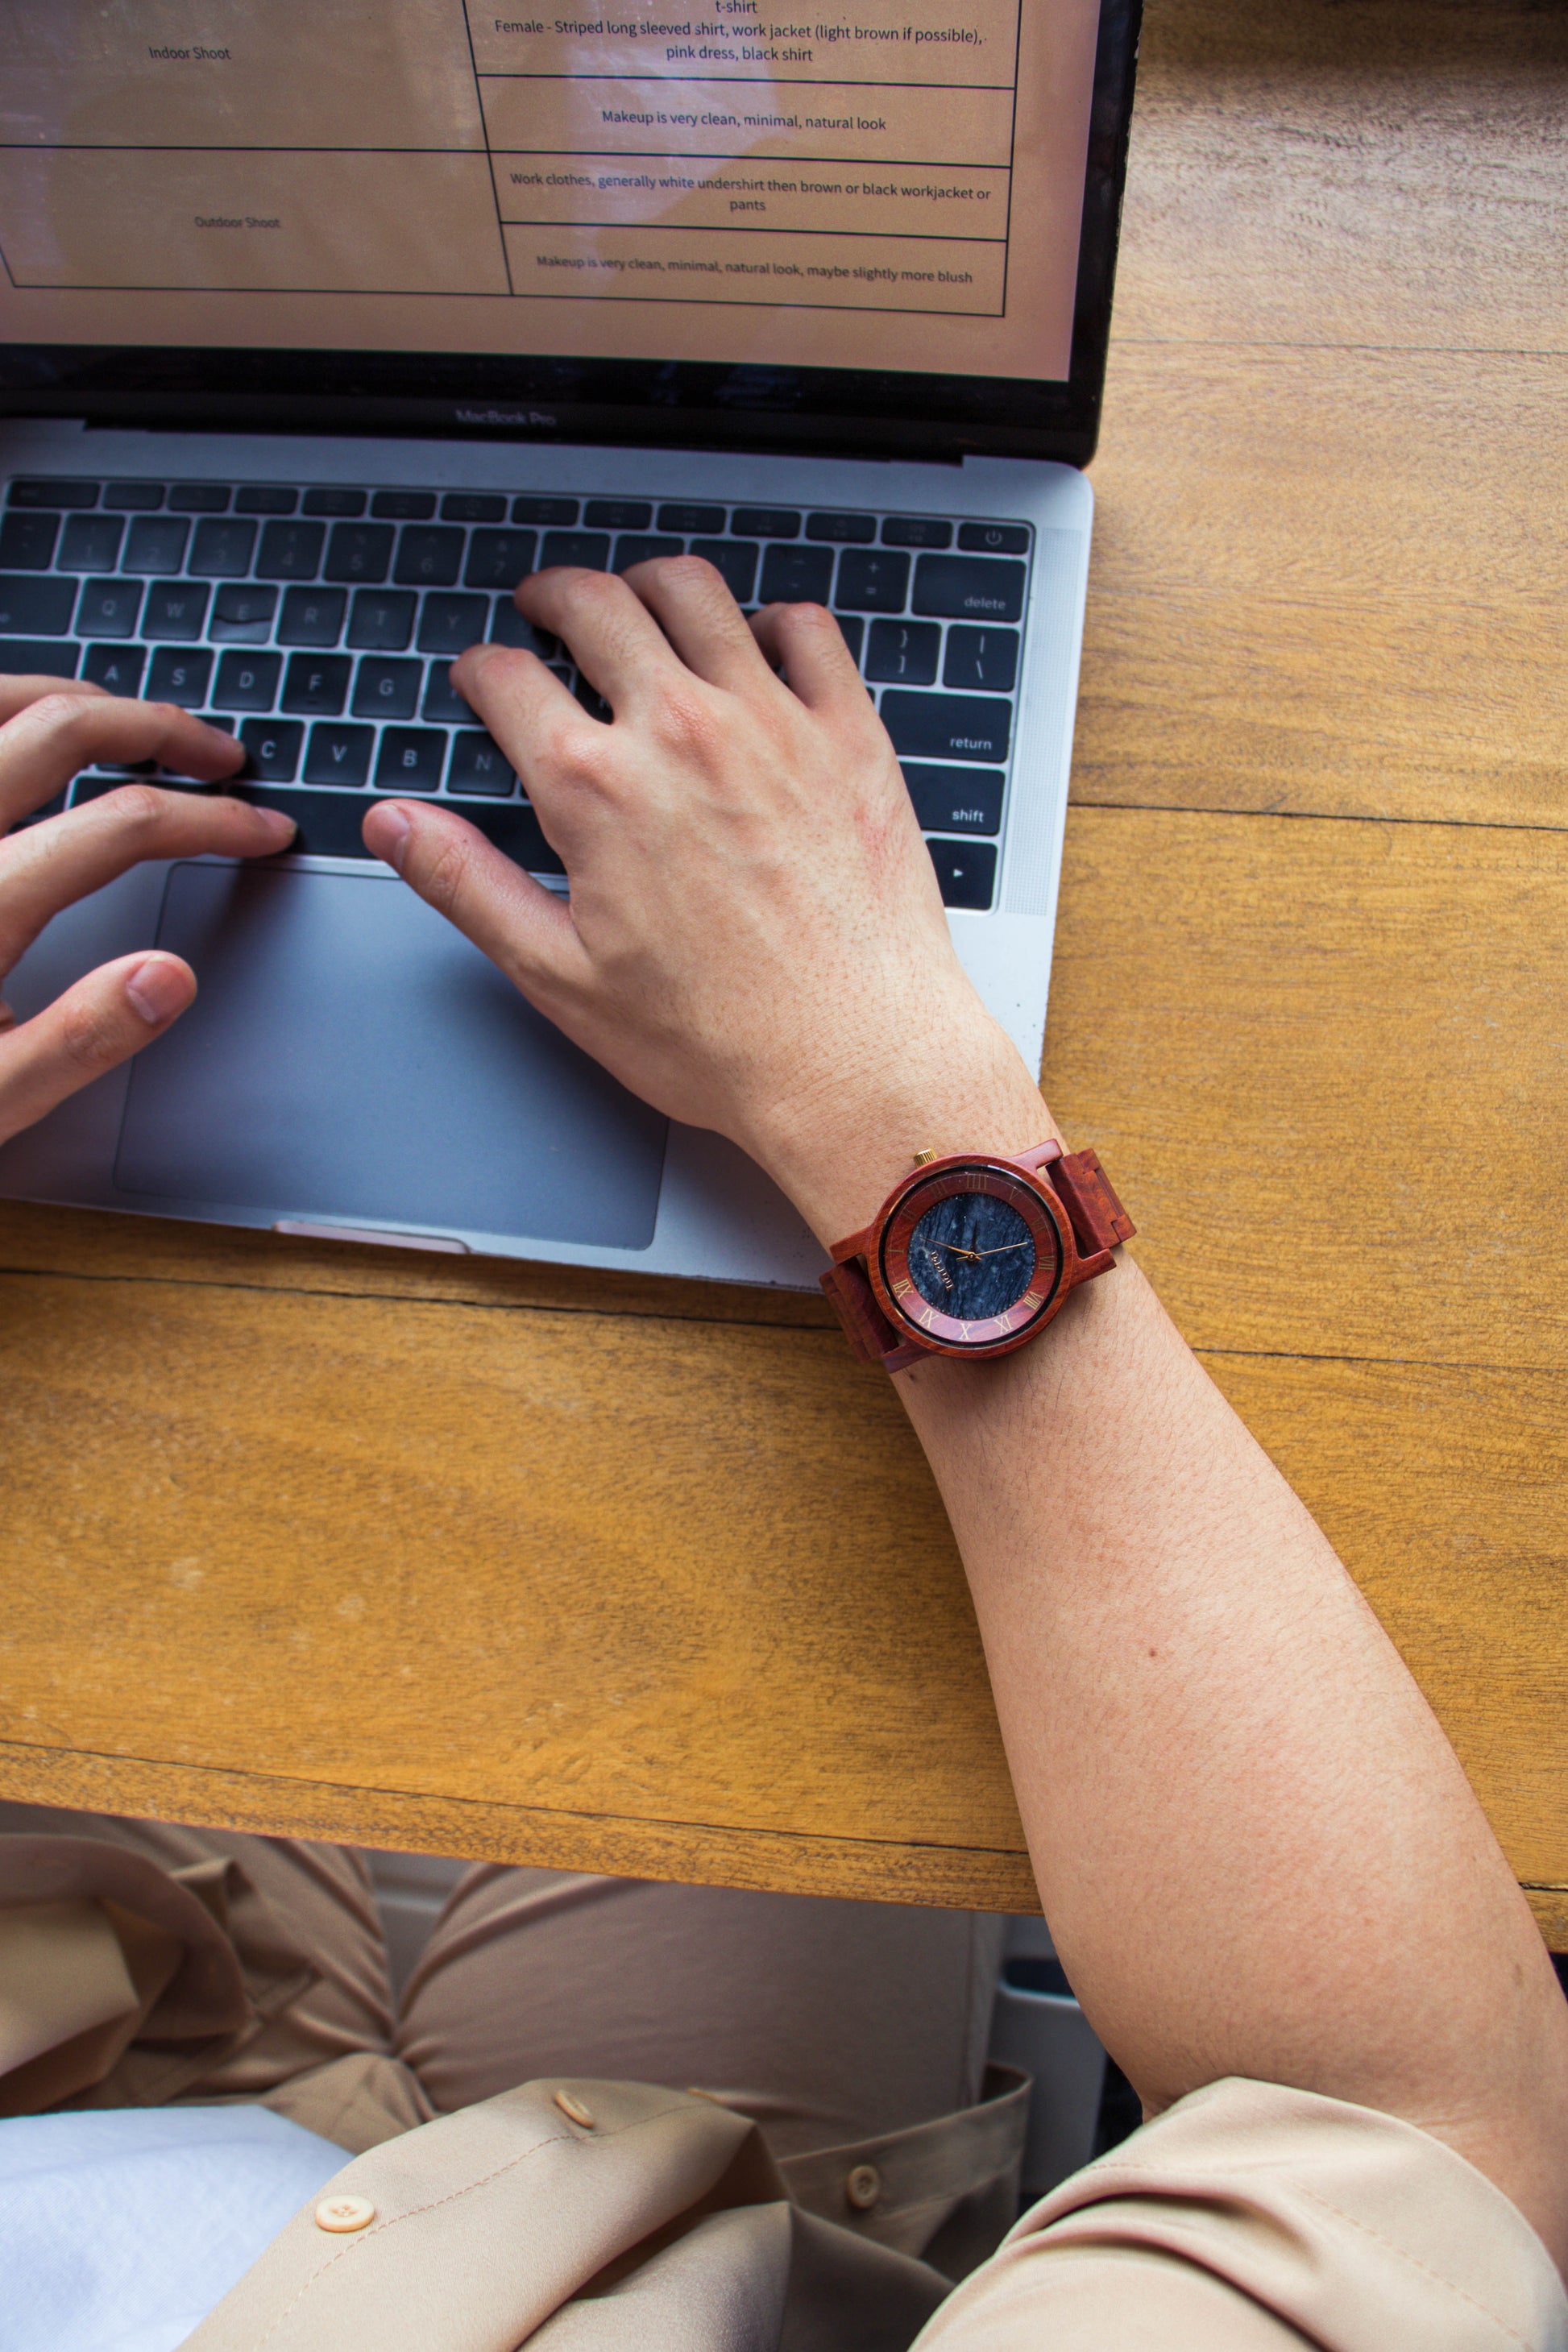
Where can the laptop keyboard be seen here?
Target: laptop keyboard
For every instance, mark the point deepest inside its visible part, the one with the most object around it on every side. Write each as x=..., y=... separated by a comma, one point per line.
x=319, y=624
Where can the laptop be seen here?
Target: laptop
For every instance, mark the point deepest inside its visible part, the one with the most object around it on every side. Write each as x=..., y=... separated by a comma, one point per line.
x=323, y=327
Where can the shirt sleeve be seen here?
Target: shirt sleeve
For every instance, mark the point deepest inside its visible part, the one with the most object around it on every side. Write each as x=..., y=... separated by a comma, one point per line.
x=1250, y=2218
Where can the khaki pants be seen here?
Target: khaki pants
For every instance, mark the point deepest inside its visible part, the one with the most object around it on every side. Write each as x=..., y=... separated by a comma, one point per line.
x=827, y=2022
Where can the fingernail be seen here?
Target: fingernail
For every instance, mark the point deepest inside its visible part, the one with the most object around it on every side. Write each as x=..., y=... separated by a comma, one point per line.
x=158, y=990
x=283, y=828
x=393, y=829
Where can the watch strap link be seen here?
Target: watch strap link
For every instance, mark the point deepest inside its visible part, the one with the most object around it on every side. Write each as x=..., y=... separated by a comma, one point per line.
x=1099, y=1219
x=870, y=1334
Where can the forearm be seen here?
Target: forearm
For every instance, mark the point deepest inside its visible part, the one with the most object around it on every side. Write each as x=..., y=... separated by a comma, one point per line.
x=1257, y=1850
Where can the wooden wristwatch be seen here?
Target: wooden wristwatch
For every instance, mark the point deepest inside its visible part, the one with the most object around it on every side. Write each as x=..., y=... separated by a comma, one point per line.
x=974, y=1256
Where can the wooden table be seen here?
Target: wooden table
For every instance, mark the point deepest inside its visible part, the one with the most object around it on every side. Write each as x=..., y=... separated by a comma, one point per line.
x=649, y=1578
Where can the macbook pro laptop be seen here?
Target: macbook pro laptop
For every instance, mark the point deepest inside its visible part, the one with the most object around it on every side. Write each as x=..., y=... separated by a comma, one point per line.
x=323, y=326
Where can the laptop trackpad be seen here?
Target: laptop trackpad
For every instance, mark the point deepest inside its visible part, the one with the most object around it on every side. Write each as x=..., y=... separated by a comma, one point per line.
x=350, y=1056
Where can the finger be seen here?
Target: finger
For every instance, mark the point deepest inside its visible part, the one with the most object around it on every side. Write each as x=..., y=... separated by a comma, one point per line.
x=15, y=693
x=806, y=644
x=515, y=921
x=613, y=638
x=540, y=726
x=42, y=747
x=93, y=1027
x=65, y=857
x=691, y=600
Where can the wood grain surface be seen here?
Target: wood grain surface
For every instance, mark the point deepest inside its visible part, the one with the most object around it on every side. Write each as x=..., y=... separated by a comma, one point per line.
x=645, y=1577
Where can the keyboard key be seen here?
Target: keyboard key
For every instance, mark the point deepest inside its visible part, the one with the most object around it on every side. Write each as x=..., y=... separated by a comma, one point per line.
x=242, y=614
x=290, y=550
x=248, y=681
x=499, y=559
x=995, y=538
x=274, y=746
x=903, y=653
x=872, y=581
x=270, y=499
x=966, y=871
x=983, y=657
x=479, y=765
x=199, y=498
x=92, y=542
x=405, y=506
x=316, y=684
x=429, y=559
x=443, y=706
x=955, y=800
x=339, y=755
x=687, y=518
x=334, y=502
x=508, y=627
x=134, y=498
x=448, y=623
x=176, y=609
x=381, y=622
x=947, y=726
x=33, y=607
x=54, y=493
x=37, y=657
x=360, y=551
x=36, y=817
x=617, y=514
x=108, y=608
x=960, y=588
x=118, y=668
x=643, y=550
x=28, y=541
x=311, y=616
x=841, y=528
x=916, y=531
x=851, y=628
x=764, y=522
x=178, y=676
x=388, y=689
x=472, y=505
x=221, y=550
x=156, y=543
x=556, y=510
x=410, y=759
x=736, y=559
x=796, y=575
x=590, y=549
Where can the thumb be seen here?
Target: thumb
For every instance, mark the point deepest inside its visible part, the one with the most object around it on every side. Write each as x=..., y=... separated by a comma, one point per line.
x=515, y=921
x=98, y=1024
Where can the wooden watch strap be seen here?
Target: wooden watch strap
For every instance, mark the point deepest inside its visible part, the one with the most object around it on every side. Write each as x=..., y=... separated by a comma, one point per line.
x=870, y=1334
x=1099, y=1219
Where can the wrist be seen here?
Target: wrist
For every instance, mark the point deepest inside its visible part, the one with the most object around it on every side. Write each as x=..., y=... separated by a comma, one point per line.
x=839, y=1155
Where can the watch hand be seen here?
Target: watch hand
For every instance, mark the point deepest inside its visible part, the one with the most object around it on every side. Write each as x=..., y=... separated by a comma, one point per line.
x=998, y=1250
x=955, y=1249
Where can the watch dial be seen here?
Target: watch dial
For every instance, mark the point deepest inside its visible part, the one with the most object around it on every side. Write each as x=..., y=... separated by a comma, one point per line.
x=971, y=1255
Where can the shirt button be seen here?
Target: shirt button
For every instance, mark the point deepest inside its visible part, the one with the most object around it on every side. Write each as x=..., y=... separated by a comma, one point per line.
x=341, y=2214
x=863, y=2187
x=574, y=2109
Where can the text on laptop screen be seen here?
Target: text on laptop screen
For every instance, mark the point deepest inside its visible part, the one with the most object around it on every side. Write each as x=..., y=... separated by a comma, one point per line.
x=769, y=182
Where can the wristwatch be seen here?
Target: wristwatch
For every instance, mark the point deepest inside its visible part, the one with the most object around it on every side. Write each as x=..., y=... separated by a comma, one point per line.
x=974, y=1256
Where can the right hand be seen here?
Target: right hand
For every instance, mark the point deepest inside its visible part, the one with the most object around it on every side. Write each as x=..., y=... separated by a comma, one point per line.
x=48, y=730
x=754, y=941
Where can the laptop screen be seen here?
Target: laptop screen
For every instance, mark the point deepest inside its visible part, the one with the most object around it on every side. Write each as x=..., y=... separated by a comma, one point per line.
x=750, y=186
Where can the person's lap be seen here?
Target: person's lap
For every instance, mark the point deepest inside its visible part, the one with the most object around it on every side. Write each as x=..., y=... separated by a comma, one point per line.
x=827, y=2021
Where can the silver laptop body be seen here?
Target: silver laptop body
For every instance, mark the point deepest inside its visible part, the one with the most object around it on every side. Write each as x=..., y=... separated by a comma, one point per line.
x=351, y=1068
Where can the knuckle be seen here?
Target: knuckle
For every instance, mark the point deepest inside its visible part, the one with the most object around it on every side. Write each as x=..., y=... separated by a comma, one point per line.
x=446, y=878
x=137, y=808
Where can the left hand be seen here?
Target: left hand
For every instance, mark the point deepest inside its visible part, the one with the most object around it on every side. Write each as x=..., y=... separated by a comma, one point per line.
x=48, y=730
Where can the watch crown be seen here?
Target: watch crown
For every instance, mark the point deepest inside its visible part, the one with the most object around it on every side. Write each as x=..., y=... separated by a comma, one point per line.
x=923, y=1159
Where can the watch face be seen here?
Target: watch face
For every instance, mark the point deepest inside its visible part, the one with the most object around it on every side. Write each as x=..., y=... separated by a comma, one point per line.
x=971, y=1257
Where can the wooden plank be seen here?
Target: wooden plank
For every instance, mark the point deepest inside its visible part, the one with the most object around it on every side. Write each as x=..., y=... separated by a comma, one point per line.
x=1391, y=173
x=1330, y=584
x=1322, y=1063
x=668, y=1602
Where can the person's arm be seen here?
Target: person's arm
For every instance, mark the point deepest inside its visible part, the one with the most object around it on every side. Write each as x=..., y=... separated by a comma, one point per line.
x=1256, y=1849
